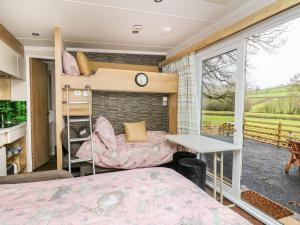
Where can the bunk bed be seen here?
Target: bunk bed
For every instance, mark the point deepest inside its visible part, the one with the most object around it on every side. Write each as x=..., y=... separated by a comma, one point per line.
x=106, y=80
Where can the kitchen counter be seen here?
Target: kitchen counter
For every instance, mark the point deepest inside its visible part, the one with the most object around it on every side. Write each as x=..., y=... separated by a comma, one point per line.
x=10, y=134
x=7, y=129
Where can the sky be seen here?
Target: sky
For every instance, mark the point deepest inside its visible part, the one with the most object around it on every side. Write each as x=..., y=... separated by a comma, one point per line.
x=276, y=69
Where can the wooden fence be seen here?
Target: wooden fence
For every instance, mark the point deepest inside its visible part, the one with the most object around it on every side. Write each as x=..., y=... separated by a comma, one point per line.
x=269, y=132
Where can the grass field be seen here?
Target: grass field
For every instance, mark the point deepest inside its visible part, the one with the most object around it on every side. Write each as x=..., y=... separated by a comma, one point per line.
x=221, y=117
x=282, y=99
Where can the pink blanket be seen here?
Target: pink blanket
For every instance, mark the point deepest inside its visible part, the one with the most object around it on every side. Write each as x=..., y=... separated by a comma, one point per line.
x=153, y=196
x=130, y=155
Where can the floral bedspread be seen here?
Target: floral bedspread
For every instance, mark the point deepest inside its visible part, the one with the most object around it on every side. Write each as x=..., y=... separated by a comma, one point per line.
x=152, y=196
x=154, y=152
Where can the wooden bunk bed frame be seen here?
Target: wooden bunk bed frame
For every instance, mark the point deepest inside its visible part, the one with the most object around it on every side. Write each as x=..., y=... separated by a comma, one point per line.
x=110, y=77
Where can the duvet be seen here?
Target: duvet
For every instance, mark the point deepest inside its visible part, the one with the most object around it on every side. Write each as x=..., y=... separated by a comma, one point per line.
x=152, y=196
x=156, y=151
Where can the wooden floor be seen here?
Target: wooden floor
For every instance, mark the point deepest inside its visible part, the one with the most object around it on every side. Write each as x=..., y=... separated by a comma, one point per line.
x=51, y=165
x=238, y=210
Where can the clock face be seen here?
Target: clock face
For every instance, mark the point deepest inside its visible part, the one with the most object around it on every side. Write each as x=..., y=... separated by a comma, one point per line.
x=141, y=79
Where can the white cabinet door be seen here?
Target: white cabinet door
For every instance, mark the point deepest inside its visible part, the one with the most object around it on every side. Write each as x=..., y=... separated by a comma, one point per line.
x=8, y=60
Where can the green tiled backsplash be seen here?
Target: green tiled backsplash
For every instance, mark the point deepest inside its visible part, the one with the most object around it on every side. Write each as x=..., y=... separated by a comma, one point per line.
x=13, y=112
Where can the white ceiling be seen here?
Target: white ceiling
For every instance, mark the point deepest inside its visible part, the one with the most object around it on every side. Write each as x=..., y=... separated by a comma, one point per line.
x=107, y=24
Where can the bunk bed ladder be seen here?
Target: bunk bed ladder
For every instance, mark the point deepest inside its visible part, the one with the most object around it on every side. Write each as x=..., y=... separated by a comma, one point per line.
x=87, y=119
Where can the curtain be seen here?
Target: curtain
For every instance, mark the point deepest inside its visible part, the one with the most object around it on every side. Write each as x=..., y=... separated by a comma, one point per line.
x=187, y=116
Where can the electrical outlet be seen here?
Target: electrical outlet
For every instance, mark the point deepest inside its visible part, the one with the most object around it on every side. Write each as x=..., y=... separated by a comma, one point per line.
x=77, y=93
x=85, y=93
x=165, y=101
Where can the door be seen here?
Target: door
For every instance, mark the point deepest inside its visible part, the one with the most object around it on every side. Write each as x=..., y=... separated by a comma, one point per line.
x=221, y=91
x=39, y=112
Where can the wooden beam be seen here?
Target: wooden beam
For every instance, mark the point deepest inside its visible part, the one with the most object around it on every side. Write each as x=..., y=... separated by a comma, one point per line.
x=123, y=81
x=173, y=99
x=259, y=16
x=95, y=65
x=58, y=43
x=11, y=41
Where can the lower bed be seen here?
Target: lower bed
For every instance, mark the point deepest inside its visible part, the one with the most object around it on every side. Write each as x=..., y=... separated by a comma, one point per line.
x=129, y=155
x=152, y=196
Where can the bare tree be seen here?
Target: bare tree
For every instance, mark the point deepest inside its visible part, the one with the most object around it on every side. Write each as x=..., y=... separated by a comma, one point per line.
x=218, y=81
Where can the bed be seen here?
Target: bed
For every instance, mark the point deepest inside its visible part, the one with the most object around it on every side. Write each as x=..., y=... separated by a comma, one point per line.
x=114, y=151
x=150, y=196
x=156, y=151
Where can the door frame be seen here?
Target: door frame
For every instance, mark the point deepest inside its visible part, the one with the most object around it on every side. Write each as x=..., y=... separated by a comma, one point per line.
x=211, y=52
x=41, y=53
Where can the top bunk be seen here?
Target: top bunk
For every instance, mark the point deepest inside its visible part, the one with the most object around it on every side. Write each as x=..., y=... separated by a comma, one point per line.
x=106, y=79
x=113, y=76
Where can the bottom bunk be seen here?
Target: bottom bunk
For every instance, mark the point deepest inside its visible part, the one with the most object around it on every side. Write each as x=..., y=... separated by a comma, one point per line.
x=114, y=152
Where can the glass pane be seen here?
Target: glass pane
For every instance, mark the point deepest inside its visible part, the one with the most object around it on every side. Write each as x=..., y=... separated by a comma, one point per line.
x=272, y=118
x=218, y=102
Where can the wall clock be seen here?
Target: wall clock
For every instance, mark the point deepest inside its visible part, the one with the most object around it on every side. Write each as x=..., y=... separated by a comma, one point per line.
x=141, y=79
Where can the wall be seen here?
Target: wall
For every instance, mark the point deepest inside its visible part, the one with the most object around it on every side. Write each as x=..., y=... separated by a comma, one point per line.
x=138, y=59
x=131, y=107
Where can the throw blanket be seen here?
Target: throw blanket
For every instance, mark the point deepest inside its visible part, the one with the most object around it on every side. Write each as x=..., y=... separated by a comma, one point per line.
x=153, y=196
x=130, y=155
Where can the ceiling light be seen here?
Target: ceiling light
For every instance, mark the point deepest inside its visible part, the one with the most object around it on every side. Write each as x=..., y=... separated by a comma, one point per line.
x=136, y=29
x=35, y=34
x=167, y=29
x=222, y=2
x=158, y=1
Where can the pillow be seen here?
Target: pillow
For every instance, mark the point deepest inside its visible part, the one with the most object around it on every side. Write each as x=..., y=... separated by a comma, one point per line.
x=83, y=63
x=136, y=132
x=70, y=64
x=74, y=147
x=106, y=132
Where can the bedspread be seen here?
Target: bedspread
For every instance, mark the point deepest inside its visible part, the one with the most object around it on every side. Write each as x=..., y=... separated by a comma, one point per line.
x=156, y=151
x=152, y=196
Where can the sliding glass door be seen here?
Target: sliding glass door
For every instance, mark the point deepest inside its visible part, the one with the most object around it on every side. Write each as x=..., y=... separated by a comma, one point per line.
x=221, y=91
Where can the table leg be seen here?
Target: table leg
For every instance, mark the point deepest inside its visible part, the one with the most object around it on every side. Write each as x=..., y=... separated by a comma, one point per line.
x=215, y=175
x=221, y=176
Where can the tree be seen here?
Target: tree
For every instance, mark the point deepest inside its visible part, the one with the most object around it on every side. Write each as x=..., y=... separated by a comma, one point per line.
x=218, y=80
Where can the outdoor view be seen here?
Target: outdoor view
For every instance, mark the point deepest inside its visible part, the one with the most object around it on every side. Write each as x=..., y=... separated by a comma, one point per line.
x=271, y=119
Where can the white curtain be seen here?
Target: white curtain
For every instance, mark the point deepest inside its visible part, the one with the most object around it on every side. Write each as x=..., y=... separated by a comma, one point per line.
x=188, y=113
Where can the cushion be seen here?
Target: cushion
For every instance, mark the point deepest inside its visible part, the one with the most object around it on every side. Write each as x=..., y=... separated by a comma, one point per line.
x=70, y=64
x=106, y=132
x=74, y=147
x=83, y=63
x=136, y=132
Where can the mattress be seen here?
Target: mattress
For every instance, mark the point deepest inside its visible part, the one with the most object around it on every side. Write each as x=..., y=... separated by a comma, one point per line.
x=152, y=196
x=156, y=151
